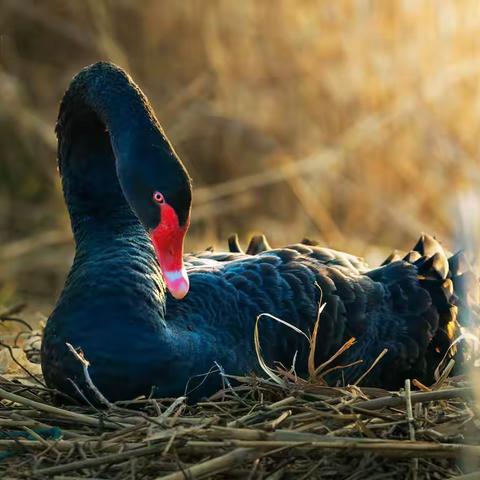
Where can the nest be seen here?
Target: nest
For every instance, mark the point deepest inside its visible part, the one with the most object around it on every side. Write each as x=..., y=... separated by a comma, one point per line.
x=271, y=428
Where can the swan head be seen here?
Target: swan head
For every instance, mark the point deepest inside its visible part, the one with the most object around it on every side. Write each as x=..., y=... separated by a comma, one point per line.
x=158, y=188
x=168, y=238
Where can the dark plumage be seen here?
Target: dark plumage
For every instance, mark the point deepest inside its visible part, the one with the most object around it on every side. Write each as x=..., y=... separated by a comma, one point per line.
x=137, y=337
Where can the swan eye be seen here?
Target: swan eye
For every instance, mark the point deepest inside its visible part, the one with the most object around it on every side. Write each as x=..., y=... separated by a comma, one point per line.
x=158, y=198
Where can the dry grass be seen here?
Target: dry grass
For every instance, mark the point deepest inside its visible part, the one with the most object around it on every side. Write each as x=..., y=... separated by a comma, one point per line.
x=256, y=429
x=336, y=118
x=279, y=427
x=259, y=431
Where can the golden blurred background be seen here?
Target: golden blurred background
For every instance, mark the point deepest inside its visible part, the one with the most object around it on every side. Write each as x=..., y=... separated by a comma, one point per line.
x=354, y=122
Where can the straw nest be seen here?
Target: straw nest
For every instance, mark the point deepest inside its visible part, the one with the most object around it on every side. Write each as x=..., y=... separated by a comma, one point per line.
x=268, y=428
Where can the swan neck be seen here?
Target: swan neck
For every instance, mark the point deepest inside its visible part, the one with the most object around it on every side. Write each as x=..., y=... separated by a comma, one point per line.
x=104, y=118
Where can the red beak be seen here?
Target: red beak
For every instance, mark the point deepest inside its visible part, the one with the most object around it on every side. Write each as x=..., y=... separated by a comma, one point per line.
x=167, y=239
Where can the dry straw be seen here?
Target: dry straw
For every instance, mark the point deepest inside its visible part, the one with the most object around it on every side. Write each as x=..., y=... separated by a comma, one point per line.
x=276, y=427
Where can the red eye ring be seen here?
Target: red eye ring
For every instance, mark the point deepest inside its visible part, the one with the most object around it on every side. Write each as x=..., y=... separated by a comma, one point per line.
x=158, y=197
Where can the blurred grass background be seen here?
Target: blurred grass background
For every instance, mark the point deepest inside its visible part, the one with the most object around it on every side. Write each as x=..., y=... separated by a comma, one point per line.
x=355, y=122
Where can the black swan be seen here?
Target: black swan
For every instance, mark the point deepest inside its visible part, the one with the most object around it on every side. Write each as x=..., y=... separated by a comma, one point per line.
x=151, y=320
